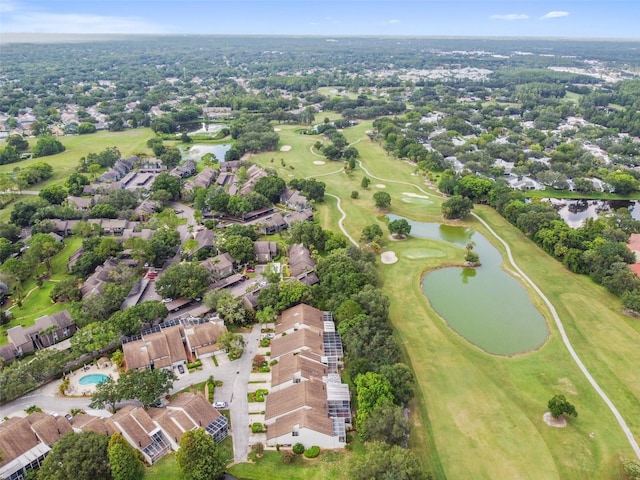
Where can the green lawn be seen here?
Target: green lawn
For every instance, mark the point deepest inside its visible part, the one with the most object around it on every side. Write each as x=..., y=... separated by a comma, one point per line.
x=329, y=465
x=78, y=146
x=477, y=415
x=167, y=467
x=38, y=303
x=552, y=193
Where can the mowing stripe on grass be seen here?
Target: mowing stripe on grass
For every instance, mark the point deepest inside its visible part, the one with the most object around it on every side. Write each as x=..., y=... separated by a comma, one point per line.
x=567, y=343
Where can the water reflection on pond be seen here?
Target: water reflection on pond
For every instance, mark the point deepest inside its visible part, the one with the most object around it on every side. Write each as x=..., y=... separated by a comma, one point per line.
x=485, y=305
x=196, y=152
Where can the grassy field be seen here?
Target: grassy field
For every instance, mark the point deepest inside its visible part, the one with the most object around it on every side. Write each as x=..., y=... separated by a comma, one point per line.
x=78, y=146
x=551, y=193
x=37, y=302
x=477, y=415
x=337, y=92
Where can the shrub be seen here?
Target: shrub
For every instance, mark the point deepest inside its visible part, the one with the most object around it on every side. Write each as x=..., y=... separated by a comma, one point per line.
x=196, y=364
x=355, y=194
x=298, y=449
x=265, y=342
x=273, y=362
x=258, y=361
x=258, y=448
x=257, y=427
x=287, y=457
x=313, y=452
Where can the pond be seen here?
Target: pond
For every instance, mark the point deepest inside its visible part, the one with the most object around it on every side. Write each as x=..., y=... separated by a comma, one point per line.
x=196, y=152
x=485, y=305
x=575, y=212
x=211, y=128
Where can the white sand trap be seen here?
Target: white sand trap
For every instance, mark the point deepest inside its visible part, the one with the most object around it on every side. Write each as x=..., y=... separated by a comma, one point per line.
x=380, y=185
x=318, y=162
x=285, y=148
x=559, y=422
x=277, y=129
x=388, y=258
x=414, y=195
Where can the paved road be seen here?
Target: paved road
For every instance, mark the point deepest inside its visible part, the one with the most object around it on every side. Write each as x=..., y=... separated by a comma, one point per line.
x=240, y=420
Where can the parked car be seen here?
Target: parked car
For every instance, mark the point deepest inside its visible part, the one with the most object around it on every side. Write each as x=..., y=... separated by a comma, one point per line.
x=220, y=405
x=180, y=369
x=167, y=300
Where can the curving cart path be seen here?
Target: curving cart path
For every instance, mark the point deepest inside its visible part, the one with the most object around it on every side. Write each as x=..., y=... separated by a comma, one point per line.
x=567, y=343
x=344, y=215
x=565, y=339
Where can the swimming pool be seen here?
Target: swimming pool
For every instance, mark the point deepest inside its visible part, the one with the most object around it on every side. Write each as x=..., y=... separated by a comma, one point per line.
x=93, y=379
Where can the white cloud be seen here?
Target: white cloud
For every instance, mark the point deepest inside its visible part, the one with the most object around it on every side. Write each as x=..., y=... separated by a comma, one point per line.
x=6, y=7
x=554, y=14
x=394, y=20
x=42, y=22
x=510, y=16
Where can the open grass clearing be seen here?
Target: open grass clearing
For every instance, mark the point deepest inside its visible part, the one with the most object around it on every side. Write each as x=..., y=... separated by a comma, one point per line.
x=337, y=92
x=78, y=146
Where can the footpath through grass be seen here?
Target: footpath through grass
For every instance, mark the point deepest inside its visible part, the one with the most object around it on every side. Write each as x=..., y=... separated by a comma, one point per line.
x=478, y=415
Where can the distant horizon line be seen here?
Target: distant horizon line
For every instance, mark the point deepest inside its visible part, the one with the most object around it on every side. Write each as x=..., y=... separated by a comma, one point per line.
x=18, y=37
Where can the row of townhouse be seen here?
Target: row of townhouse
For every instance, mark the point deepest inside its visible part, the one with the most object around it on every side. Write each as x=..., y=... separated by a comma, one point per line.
x=307, y=403
x=45, y=332
x=26, y=441
x=173, y=343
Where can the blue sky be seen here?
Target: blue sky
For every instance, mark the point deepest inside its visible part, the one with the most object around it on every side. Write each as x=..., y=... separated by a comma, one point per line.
x=536, y=18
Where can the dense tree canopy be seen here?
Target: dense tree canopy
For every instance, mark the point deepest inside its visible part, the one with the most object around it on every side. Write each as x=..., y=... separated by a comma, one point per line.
x=183, y=280
x=199, y=457
x=77, y=455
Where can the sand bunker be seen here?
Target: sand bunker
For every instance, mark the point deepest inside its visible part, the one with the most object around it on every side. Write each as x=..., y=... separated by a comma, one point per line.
x=388, y=258
x=414, y=195
x=559, y=422
x=318, y=162
x=277, y=129
x=380, y=185
x=285, y=148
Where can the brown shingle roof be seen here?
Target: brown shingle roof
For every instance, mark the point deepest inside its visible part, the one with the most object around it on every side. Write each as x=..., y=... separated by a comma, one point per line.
x=163, y=348
x=316, y=420
x=303, y=395
x=300, y=316
x=204, y=335
x=16, y=438
x=89, y=423
x=47, y=427
x=134, y=423
x=296, y=341
x=290, y=364
x=196, y=407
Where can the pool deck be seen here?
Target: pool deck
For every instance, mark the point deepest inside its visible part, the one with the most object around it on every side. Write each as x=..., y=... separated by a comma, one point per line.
x=77, y=390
